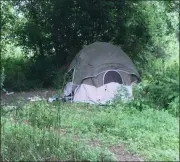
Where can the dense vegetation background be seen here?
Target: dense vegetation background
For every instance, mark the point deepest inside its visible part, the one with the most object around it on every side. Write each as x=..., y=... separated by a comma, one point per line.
x=40, y=37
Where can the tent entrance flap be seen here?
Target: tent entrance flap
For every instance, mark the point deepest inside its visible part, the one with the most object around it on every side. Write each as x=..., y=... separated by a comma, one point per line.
x=112, y=76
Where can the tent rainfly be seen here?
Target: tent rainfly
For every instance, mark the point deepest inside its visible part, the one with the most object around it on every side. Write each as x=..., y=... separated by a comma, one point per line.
x=100, y=71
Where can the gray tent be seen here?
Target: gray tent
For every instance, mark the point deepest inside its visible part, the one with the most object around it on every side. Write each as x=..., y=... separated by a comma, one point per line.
x=100, y=67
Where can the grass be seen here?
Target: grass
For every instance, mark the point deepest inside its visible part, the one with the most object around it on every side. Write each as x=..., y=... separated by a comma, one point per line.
x=40, y=131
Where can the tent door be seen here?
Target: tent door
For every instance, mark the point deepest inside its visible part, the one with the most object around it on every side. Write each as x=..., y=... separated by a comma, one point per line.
x=112, y=76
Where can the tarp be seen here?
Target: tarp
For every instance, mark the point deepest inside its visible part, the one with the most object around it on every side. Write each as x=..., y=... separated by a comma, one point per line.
x=103, y=94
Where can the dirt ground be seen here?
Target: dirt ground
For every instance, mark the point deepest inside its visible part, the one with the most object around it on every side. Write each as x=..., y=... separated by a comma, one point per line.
x=13, y=99
x=23, y=96
x=123, y=155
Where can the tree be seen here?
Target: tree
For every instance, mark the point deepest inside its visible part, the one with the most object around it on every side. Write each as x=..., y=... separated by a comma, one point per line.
x=57, y=29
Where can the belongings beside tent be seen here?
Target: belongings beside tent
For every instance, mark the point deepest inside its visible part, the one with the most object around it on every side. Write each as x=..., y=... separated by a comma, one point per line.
x=9, y=93
x=35, y=98
x=53, y=98
x=100, y=71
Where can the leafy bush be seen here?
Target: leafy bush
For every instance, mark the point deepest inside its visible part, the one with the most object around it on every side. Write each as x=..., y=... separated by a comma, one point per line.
x=59, y=80
x=159, y=90
x=173, y=106
x=15, y=74
x=25, y=74
x=43, y=70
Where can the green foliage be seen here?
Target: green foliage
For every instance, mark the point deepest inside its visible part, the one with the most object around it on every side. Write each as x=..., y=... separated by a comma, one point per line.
x=6, y=24
x=165, y=87
x=23, y=73
x=30, y=143
x=59, y=80
x=42, y=68
x=27, y=133
x=159, y=90
x=173, y=106
x=15, y=77
x=54, y=31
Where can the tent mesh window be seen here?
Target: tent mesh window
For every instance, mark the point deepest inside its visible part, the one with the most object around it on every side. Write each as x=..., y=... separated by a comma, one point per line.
x=112, y=76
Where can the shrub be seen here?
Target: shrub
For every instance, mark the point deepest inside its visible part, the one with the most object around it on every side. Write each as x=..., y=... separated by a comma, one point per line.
x=159, y=90
x=23, y=74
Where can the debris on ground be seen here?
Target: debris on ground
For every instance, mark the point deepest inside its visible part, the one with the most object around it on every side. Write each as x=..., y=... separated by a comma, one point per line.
x=35, y=98
x=9, y=93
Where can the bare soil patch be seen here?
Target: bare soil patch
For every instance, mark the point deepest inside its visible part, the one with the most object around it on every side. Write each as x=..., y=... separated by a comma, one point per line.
x=119, y=151
x=123, y=155
x=12, y=99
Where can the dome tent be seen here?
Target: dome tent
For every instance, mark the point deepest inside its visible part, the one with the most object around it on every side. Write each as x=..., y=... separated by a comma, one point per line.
x=99, y=69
